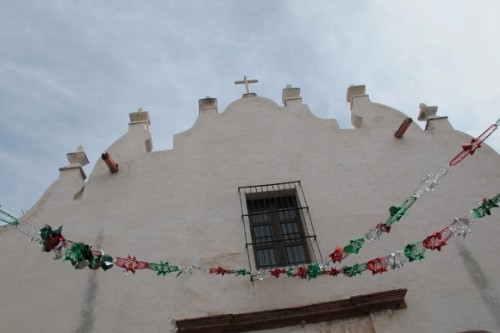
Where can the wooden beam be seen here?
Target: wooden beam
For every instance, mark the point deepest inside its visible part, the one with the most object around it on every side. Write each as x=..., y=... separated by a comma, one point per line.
x=113, y=167
x=402, y=129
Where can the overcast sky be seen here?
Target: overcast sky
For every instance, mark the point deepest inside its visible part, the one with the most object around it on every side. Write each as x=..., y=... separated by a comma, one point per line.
x=71, y=71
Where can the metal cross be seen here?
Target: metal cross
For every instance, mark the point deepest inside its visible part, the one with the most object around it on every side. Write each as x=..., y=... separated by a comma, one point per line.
x=246, y=82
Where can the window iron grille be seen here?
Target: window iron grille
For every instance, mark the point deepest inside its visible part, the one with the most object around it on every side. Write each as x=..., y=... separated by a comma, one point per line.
x=278, y=228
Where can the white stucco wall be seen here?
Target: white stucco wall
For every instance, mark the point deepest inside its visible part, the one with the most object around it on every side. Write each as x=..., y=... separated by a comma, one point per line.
x=182, y=206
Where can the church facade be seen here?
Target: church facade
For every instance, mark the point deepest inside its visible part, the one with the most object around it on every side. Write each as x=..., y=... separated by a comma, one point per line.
x=243, y=226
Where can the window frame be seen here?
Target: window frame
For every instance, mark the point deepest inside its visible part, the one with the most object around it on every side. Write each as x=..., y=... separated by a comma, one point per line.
x=269, y=196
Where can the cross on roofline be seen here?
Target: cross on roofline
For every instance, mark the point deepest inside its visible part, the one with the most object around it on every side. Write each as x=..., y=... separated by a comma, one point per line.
x=246, y=82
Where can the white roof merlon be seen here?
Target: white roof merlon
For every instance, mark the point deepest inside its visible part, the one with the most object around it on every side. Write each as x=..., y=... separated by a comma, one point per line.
x=207, y=105
x=78, y=157
x=427, y=112
x=141, y=116
x=355, y=91
x=290, y=95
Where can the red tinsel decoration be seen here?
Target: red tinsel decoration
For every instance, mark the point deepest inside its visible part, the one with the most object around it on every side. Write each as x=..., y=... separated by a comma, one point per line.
x=301, y=272
x=472, y=146
x=382, y=227
x=51, y=243
x=337, y=255
x=446, y=234
x=276, y=272
x=130, y=264
x=219, y=271
x=434, y=242
x=377, y=265
x=475, y=143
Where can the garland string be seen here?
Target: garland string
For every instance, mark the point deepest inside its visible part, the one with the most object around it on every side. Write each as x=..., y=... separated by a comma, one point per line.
x=82, y=255
x=429, y=183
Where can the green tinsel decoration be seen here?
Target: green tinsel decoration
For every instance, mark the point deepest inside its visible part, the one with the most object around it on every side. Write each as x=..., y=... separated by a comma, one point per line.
x=241, y=272
x=397, y=212
x=353, y=270
x=313, y=271
x=163, y=268
x=106, y=262
x=95, y=263
x=414, y=251
x=77, y=253
x=7, y=218
x=486, y=206
x=354, y=246
x=47, y=232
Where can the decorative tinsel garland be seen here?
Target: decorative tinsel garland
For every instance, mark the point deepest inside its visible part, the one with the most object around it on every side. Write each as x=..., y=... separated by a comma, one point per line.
x=429, y=183
x=81, y=255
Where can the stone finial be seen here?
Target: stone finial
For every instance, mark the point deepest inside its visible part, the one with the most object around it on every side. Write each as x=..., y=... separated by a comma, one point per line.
x=207, y=105
x=141, y=116
x=434, y=122
x=427, y=112
x=290, y=94
x=76, y=161
x=77, y=158
x=354, y=91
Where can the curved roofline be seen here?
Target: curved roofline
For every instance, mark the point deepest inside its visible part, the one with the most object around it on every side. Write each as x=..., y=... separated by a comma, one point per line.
x=254, y=98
